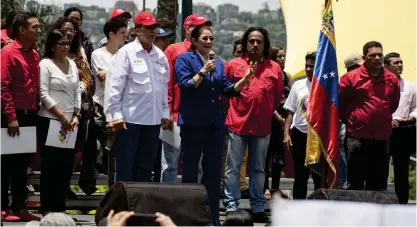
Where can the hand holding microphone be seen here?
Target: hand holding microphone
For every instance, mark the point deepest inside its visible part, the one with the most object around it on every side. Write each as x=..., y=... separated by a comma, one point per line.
x=210, y=65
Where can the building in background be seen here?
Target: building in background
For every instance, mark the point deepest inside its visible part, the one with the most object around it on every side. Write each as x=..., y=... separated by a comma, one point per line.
x=225, y=11
x=205, y=11
x=128, y=6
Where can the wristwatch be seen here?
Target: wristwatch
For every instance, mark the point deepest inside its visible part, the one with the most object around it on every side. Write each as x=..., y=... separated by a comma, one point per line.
x=201, y=74
x=78, y=115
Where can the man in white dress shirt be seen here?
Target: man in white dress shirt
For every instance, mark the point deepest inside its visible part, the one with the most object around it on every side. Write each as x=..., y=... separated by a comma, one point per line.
x=403, y=137
x=138, y=102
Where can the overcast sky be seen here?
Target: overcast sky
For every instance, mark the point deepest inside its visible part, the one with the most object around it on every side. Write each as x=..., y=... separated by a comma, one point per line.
x=244, y=5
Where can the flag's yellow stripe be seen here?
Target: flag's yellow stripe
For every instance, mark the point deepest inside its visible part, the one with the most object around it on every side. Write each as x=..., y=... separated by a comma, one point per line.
x=315, y=149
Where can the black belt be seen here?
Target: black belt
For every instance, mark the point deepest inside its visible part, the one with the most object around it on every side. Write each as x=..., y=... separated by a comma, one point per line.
x=26, y=111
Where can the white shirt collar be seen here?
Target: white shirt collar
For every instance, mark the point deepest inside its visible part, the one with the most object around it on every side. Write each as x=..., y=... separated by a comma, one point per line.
x=139, y=48
x=201, y=57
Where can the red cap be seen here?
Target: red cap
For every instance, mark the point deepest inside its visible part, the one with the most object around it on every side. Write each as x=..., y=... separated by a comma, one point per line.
x=195, y=20
x=119, y=12
x=145, y=18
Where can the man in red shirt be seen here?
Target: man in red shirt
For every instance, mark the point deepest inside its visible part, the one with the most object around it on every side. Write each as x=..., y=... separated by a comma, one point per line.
x=249, y=119
x=368, y=95
x=170, y=154
x=19, y=91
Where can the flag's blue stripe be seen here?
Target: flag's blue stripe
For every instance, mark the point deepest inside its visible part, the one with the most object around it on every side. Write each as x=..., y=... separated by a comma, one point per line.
x=326, y=65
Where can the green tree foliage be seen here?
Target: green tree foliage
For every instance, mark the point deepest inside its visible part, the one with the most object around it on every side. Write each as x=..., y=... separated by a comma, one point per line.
x=44, y=13
x=227, y=31
x=7, y=6
x=166, y=14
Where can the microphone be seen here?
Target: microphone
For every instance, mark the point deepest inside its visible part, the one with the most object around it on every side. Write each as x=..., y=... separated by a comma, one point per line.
x=211, y=57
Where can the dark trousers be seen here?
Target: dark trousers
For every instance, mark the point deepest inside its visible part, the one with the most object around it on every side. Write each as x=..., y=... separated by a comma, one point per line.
x=87, y=181
x=157, y=166
x=209, y=141
x=56, y=171
x=136, y=150
x=301, y=172
x=402, y=145
x=367, y=164
x=276, y=153
x=14, y=167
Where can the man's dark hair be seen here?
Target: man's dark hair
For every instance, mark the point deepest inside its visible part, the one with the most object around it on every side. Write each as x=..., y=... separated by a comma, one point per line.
x=238, y=218
x=195, y=34
x=53, y=37
x=311, y=56
x=267, y=43
x=72, y=9
x=390, y=55
x=21, y=19
x=113, y=25
x=235, y=43
x=10, y=18
x=369, y=45
x=76, y=41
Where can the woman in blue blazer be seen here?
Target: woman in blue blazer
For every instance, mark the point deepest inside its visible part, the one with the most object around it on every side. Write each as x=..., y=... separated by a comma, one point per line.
x=201, y=80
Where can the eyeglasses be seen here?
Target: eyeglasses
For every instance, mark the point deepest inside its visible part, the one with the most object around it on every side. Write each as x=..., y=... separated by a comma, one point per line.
x=63, y=43
x=207, y=38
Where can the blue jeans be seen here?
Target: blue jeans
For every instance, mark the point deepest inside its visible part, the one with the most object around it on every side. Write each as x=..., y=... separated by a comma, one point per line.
x=258, y=148
x=342, y=156
x=136, y=150
x=169, y=164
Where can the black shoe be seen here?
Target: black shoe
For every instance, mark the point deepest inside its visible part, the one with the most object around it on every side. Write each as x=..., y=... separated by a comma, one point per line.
x=71, y=195
x=260, y=217
x=244, y=194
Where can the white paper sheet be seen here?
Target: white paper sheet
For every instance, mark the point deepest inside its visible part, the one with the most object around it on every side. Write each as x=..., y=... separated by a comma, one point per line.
x=171, y=137
x=24, y=143
x=59, y=138
x=336, y=213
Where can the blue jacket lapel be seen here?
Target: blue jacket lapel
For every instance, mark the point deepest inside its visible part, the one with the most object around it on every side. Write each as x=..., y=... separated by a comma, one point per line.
x=197, y=63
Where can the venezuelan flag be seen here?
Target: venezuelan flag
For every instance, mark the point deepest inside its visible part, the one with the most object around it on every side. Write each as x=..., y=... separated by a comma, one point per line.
x=322, y=112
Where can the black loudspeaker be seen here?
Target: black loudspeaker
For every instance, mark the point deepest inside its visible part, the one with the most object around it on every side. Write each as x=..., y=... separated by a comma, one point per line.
x=186, y=204
x=381, y=197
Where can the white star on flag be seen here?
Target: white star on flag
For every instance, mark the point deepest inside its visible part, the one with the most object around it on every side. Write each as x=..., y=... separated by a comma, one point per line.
x=325, y=76
x=332, y=74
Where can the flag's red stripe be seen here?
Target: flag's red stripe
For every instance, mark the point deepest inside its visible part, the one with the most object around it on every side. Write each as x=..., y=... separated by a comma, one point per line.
x=324, y=118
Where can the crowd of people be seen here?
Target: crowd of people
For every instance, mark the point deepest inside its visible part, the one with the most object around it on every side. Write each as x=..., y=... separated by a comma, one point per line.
x=119, y=96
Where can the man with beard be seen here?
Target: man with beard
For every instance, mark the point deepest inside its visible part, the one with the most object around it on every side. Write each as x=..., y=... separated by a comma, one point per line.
x=249, y=119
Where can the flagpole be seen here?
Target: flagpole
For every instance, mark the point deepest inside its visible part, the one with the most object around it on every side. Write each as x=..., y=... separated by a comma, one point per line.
x=322, y=160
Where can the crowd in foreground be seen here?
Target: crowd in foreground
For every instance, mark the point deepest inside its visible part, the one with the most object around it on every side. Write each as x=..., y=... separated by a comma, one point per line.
x=246, y=112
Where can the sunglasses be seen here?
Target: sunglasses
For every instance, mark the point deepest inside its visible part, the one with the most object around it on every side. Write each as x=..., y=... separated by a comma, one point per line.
x=207, y=38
